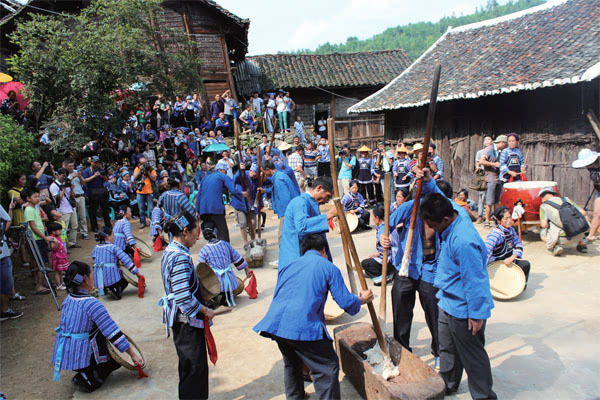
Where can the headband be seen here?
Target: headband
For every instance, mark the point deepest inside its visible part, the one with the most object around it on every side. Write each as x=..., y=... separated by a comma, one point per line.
x=78, y=279
x=182, y=222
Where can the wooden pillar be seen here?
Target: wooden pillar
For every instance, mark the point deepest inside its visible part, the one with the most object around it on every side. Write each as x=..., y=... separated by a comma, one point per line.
x=228, y=66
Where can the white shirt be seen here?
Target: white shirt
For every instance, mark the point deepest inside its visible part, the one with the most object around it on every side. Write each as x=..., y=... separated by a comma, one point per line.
x=322, y=125
x=281, y=104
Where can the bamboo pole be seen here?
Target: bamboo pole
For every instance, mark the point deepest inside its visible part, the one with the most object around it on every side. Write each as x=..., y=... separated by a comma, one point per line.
x=336, y=195
x=347, y=240
x=387, y=198
x=423, y=163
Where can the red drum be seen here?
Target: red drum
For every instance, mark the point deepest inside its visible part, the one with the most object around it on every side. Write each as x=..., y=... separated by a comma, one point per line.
x=527, y=192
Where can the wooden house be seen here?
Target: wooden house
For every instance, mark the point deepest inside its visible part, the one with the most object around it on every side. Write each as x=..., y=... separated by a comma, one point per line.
x=326, y=85
x=535, y=72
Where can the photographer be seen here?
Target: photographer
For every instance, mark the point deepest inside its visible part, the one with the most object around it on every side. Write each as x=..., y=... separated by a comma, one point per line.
x=94, y=177
x=144, y=176
x=64, y=200
x=347, y=161
x=78, y=194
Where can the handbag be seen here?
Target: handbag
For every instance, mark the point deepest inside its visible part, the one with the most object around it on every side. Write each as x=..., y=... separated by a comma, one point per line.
x=478, y=182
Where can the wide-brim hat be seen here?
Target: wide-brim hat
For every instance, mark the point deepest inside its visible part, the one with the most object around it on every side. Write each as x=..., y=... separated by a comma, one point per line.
x=402, y=149
x=284, y=146
x=363, y=148
x=506, y=282
x=209, y=282
x=417, y=147
x=584, y=158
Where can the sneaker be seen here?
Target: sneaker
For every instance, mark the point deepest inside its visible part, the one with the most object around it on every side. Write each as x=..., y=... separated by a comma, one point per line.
x=377, y=281
x=85, y=236
x=10, y=314
x=437, y=363
x=582, y=248
x=61, y=287
x=487, y=225
x=142, y=226
x=17, y=296
x=557, y=251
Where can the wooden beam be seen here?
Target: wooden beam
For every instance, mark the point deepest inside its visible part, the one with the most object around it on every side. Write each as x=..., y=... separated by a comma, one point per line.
x=228, y=67
x=595, y=123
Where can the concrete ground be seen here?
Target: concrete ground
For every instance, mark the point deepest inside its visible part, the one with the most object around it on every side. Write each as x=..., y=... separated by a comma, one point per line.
x=544, y=344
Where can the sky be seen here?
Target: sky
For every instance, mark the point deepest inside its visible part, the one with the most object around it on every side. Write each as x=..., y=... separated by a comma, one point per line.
x=304, y=24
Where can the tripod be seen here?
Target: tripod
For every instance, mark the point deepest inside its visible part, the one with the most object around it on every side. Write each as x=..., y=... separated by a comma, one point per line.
x=37, y=257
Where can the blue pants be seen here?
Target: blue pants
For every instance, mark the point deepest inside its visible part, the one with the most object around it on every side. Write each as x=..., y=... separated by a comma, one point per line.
x=6, y=278
x=145, y=204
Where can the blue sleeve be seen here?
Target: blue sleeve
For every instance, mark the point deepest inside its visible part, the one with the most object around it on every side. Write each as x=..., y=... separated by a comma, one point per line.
x=518, y=245
x=402, y=214
x=308, y=225
x=230, y=186
x=503, y=159
x=180, y=282
x=236, y=258
x=474, y=278
x=98, y=313
x=340, y=293
x=185, y=204
x=346, y=201
x=129, y=234
x=126, y=260
x=491, y=241
x=440, y=167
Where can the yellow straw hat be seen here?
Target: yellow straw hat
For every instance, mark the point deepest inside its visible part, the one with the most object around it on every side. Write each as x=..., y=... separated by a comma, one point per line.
x=418, y=147
x=363, y=148
x=402, y=149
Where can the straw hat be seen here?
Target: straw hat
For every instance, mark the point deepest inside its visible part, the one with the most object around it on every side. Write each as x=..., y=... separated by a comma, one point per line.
x=417, y=147
x=211, y=286
x=284, y=146
x=402, y=149
x=363, y=148
x=585, y=158
x=506, y=282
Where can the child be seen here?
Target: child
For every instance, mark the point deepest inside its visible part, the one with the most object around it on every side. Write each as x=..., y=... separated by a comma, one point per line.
x=503, y=243
x=56, y=217
x=220, y=256
x=354, y=203
x=83, y=330
x=124, y=239
x=372, y=265
x=59, y=254
x=107, y=273
x=35, y=225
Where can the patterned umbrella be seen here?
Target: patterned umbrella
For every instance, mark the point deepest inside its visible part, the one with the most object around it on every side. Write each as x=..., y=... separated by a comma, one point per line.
x=17, y=87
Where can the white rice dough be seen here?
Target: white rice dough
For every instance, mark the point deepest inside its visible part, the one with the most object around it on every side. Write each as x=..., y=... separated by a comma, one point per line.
x=381, y=363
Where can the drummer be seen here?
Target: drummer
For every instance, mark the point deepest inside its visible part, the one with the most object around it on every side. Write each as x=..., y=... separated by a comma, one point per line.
x=354, y=203
x=107, y=274
x=174, y=200
x=222, y=257
x=503, y=242
x=81, y=341
x=124, y=239
x=184, y=309
x=512, y=162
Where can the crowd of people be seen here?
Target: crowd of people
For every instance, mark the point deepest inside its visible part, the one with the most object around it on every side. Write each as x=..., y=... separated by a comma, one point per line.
x=170, y=181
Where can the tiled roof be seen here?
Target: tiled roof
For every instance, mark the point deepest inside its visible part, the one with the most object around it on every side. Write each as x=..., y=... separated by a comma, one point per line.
x=556, y=43
x=227, y=13
x=369, y=68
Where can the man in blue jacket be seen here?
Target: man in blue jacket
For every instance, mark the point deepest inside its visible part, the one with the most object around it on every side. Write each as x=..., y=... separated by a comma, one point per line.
x=210, y=206
x=465, y=301
x=303, y=217
x=295, y=319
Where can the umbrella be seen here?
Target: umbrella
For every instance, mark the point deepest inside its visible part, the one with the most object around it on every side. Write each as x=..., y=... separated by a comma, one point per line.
x=216, y=147
x=16, y=86
x=5, y=77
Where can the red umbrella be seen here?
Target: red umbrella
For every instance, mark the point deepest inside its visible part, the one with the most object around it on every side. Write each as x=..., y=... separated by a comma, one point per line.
x=17, y=87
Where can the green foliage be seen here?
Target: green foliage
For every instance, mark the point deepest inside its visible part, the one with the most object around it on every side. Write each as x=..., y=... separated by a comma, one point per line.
x=75, y=65
x=17, y=151
x=418, y=37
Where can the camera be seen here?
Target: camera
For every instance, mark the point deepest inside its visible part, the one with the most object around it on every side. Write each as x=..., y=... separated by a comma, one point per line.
x=103, y=173
x=67, y=183
x=379, y=151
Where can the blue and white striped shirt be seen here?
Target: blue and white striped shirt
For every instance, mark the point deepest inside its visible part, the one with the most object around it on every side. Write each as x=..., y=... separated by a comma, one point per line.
x=219, y=254
x=182, y=285
x=108, y=253
x=123, y=234
x=173, y=201
x=502, y=243
x=155, y=220
x=82, y=313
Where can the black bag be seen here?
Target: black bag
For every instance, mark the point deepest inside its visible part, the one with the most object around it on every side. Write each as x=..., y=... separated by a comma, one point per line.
x=573, y=222
x=478, y=182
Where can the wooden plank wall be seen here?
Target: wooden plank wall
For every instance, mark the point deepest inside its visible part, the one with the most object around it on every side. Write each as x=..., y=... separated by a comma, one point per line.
x=551, y=122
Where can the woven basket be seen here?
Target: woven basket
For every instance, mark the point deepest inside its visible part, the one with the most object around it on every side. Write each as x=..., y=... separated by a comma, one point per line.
x=129, y=277
x=144, y=249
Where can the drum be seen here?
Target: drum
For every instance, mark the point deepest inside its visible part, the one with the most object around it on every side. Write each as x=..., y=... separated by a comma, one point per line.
x=240, y=287
x=129, y=277
x=120, y=358
x=526, y=192
x=144, y=250
x=209, y=282
x=506, y=282
x=352, y=220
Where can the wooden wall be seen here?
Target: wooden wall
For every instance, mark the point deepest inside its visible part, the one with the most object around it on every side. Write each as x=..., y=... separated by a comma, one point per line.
x=551, y=122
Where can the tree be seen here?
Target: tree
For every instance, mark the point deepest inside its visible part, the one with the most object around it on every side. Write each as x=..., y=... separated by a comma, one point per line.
x=17, y=151
x=74, y=66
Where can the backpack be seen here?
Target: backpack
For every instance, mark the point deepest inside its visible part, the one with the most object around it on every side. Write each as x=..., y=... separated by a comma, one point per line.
x=478, y=182
x=573, y=222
